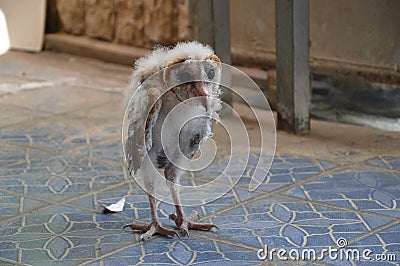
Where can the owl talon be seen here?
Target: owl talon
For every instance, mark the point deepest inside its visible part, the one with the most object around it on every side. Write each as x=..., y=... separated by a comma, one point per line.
x=195, y=214
x=152, y=229
x=143, y=228
x=185, y=224
x=184, y=231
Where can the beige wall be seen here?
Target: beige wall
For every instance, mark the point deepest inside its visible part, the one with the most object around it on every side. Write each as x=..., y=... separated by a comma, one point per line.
x=140, y=23
x=365, y=32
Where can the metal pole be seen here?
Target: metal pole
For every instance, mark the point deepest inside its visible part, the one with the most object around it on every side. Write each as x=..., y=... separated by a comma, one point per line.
x=292, y=64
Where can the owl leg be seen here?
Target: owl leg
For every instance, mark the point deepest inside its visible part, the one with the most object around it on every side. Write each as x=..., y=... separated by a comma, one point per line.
x=155, y=227
x=181, y=221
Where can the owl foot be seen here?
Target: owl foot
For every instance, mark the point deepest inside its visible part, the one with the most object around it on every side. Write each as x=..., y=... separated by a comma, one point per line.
x=152, y=229
x=184, y=224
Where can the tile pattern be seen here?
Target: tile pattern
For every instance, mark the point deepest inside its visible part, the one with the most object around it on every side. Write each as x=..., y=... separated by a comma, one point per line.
x=60, y=161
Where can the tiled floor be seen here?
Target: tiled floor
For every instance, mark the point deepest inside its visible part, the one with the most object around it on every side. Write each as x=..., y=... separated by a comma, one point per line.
x=60, y=161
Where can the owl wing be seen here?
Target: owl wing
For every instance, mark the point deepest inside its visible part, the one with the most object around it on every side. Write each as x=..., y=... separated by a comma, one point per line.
x=143, y=113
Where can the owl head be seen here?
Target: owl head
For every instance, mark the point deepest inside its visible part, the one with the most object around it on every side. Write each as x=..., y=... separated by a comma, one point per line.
x=189, y=78
x=189, y=69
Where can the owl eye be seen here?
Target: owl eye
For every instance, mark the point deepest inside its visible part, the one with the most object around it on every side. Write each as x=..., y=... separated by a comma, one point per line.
x=211, y=74
x=185, y=77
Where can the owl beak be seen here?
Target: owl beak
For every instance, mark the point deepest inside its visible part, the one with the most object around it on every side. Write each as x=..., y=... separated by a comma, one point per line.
x=203, y=92
x=205, y=103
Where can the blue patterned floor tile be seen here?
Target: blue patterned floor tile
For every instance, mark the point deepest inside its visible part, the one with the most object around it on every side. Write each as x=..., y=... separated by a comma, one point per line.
x=7, y=253
x=62, y=233
x=10, y=155
x=61, y=177
x=226, y=262
x=242, y=256
x=385, y=242
x=327, y=165
x=57, y=133
x=11, y=115
x=389, y=162
x=61, y=161
x=288, y=161
x=60, y=99
x=378, y=161
x=365, y=189
x=98, y=263
x=186, y=251
x=285, y=170
x=109, y=151
x=131, y=260
x=15, y=160
x=283, y=223
x=382, y=250
x=136, y=206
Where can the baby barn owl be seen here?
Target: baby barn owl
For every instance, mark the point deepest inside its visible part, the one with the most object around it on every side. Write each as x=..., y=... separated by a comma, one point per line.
x=187, y=74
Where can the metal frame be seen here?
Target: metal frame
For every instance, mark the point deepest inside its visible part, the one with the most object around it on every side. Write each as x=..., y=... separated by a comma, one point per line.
x=292, y=65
